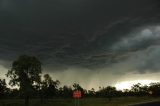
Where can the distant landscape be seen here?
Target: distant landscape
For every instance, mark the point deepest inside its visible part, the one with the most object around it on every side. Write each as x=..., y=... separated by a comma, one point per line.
x=35, y=89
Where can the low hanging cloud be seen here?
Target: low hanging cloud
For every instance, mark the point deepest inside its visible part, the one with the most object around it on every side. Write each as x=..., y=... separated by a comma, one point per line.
x=148, y=60
x=145, y=37
x=142, y=48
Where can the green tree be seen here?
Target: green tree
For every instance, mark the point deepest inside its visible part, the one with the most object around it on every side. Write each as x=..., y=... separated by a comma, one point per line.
x=25, y=73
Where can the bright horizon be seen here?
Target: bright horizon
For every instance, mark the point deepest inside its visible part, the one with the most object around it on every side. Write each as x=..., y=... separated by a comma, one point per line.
x=124, y=82
x=128, y=84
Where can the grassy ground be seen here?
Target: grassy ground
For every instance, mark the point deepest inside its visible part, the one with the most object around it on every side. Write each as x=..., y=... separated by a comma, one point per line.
x=83, y=102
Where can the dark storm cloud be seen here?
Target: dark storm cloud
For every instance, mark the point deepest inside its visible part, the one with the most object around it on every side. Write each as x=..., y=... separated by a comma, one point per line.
x=66, y=33
x=142, y=49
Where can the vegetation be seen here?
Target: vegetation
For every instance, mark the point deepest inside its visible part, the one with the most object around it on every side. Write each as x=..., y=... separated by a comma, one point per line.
x=25, y=74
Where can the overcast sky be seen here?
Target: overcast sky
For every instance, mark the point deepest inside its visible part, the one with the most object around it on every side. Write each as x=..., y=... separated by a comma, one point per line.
x=94, y=43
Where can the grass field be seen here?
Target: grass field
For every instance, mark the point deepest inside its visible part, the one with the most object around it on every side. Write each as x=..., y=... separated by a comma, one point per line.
x=83, y=102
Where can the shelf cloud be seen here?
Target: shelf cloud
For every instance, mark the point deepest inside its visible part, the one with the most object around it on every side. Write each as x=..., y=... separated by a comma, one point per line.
x=106, y=36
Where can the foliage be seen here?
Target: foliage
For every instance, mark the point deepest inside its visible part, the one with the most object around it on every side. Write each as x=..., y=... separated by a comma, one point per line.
x=49, y=87
x=25, y=73
x=3, y=88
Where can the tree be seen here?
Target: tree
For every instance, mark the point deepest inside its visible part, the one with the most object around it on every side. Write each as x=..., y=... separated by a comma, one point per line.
x=139, y=90
x=49, y=87
x=155, y=89
x=91, y=92
x=110, y=92
x=136, y=88
x=3, y=88
x=25, y=73
x=66, y=92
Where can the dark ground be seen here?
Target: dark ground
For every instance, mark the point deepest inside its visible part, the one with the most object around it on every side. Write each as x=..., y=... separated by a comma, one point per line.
x=149, y=104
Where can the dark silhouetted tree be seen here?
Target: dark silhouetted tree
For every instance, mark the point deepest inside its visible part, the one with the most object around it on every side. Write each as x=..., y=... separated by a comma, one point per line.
x=136, y=87
x=110, y=92
x=25, y=73
x=155, y=89
x=66, y=92
x=139, y=90
x=107, y=92
x=91, y=93
x=3, y=88
x=49, y=87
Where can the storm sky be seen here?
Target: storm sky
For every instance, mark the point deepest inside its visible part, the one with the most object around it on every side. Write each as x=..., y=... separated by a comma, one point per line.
x=91, y=42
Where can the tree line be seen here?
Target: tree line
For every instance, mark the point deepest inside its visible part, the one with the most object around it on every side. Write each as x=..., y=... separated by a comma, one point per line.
x=26, y=76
